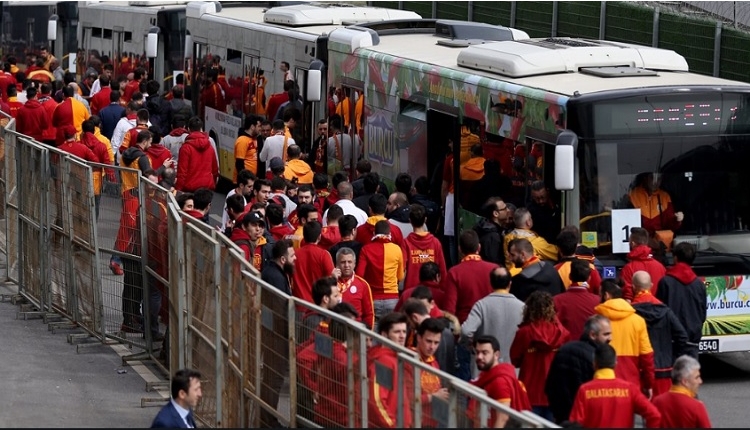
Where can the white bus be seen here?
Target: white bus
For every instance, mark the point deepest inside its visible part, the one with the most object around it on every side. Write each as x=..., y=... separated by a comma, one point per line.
x=28, y=25
x=248, y=42
x=588, y=118
x=120, y=30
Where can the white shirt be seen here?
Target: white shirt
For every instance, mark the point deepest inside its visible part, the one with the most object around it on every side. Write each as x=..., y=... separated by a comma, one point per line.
x=122, y=127
x=225, y=215
x=95, y=88
x=274, y=147
x=288, y=76
x=174, y=143
x=349, y=209
x=345, y=143
x=182, y=411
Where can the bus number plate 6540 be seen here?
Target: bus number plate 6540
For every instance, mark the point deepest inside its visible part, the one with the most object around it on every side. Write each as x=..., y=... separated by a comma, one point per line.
x=710, y=345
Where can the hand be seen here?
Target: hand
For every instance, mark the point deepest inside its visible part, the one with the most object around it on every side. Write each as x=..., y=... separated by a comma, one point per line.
x=111, y=176
x=441, y=394
x=167, y=162
x=336, y=273
x=650, y=393
x=679, y=216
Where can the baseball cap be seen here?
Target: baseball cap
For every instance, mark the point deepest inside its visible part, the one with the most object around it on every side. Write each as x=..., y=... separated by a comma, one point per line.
x=276, y=163
x=254, y=217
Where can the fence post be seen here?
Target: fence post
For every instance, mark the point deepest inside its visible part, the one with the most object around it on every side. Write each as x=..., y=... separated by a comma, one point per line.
x=603, y=20
x=418, y=406
x=655, y=28
x=717, y=49
x=470, y=11
x=399, y=386
x=555, y=12
x=292, y=328
x=219, y=344
x=364, y=381
x=512, y=14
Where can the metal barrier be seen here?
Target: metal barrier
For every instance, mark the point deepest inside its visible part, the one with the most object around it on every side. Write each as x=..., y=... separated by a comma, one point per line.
x=267, y=359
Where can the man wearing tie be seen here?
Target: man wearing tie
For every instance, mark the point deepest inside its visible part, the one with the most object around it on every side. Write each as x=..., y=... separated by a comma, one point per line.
x=186, y=392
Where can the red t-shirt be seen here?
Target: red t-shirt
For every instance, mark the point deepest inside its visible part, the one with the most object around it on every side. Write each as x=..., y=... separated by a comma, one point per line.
x=313, y=263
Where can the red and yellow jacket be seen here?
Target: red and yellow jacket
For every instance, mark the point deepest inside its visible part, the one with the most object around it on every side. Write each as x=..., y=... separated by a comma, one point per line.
x=609, y=402
x=501, y=385
x=640, y=258
x=49, y=104
x=246, y=148
x=356, y=291
x=635, y=356
x=430, y=383
x=657, y=211
x=681, y=410
x=381, y=264
x=366, y=231
x=594, y=282
x=242, y=239
x=70, y=111
x=382, y=409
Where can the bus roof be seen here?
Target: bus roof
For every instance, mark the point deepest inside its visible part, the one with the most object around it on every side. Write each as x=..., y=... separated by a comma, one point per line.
x=314, y=19
x=423, y=48
x=144, y=7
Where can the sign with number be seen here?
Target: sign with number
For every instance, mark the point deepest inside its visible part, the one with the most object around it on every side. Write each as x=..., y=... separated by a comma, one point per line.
x=622, y=221
x=709, y=345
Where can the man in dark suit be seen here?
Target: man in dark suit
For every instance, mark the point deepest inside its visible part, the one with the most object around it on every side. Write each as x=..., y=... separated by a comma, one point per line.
x=186, y=392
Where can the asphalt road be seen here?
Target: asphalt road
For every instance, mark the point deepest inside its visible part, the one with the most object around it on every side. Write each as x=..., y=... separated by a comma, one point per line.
x=726, y=388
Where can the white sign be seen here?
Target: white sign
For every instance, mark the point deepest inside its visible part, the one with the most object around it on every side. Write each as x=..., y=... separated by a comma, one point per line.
x=174, y=76
x=224, y=128
x=72, y=62
x=622, y=221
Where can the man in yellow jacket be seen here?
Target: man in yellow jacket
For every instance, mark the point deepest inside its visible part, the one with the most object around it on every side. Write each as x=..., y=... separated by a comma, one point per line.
x=296, y=168
x=542, y=249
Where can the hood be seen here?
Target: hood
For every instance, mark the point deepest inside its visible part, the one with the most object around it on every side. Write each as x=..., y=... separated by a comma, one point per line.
x=198, y=140
x=298, y=167
x=500, y=370
x=32, y=104
x=474, y=165
x=90, y=140
x=371, y=221
x=640, y=253
x=380, y=353
x=400, y=214
x=682, y=272
x=585, y=253
x=177, y=132
x=485, y=226
x=615, y=309
x=239, y=234
x=158, y=151
x=651, y=312
x=131, y=154
x=645, y=297
x=547, y=335
x=423, y=240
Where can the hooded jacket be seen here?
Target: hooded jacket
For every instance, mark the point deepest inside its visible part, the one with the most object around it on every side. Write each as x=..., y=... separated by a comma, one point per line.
x=382, y=409
x=640, y=258
x=133, y=158
x=491, y=241
x=102, y=155
x=49, y=104
x=300, y=170
x=420, y=248
x=572, y=366
x=260, y=251
x=685, y=294
x=399, y=217
x=198, y=165
x=473, y=170
x=532, y=351
x=32, y=120
x=174, y=140
x=158, y=154
x=536, y=275
x=381, y=264
x=501, y=384
x=366, y=231
x=666, y=333
x=635, y=356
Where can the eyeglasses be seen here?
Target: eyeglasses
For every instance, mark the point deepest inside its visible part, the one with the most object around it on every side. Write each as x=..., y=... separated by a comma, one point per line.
x=502, y=209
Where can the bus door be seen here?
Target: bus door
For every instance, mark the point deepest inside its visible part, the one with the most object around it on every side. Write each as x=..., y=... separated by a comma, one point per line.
x=118, y=42
x=250, y=85
x=304, y=130
x=346, y=145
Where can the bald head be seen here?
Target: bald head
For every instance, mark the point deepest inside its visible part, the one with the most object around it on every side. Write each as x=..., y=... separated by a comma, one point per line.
x=642, y=281
x=346, y=192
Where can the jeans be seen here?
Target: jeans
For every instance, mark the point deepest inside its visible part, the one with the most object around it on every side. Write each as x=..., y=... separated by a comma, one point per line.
x=463, y=356
x=383, y=308
x=154, y=303
x=544, y=412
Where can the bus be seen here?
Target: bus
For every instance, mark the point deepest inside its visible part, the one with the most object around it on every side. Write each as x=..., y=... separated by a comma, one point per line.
x=120, y=30
x=586, y=117
x=28, y=25
x=247, y=42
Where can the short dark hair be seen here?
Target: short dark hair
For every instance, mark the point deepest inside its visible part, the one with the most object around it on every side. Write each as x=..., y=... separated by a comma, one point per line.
x=195, y=124
x=605, y=356
x=236, y=203
x=346, y=309
x=433, y=325
x=114, y=96
x=422, y=185
x=305, y=188
x=278, y=183
x=580, y=270
x=468, y=242
x=257, y=185
x=364, y=166
x=245, y=175
x=142, y=115
x=30, y=93
x=415, y=306
x=182, y=198
x=303, y=211
x=391, y=319
x=322, y=288
x=485, y=339
x=181, y=381
x=403, y=183
x=428, y=271
x=335, y=212
x=521, y=244
x=610, y=287
x=202, y=197
x=311, y=231
x=383, y=227
x=639, y=235
x=421, y=292
x=280, y=248
x=417, y=215
x=499, y=280
x=684, y=252
x=275, y=214
x=370, y=182
x=567, y=242
x=143, y=136
x=88, y=126
x=278, y=125
x=320, y=181
x=347, y=224
x=377, y=204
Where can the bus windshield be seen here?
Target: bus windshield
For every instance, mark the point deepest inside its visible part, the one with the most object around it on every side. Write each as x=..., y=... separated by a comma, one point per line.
x=705, y=177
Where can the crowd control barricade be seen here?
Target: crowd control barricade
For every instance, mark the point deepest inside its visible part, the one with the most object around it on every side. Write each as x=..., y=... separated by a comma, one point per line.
x=10, y=199
x=5, y=120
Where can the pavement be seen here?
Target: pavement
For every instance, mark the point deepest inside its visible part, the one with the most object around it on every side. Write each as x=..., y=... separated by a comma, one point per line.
x=48, y=382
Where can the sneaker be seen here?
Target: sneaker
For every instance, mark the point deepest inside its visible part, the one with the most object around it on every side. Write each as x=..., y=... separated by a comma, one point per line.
x=116, y=268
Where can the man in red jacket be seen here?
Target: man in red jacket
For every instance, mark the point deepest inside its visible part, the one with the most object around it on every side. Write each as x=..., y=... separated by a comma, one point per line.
x=313, y=261
x=498, y=380
x=48, y=102
x=249, y=237
x=198, y=165
x=32, y=119
x=378, y=204
x=420, y=247
x=577, y=304
x=610, y=402
x=680, y=407
x=101, y=99
x=354, y=290
x=383, y=408
x=472, y=278
x=381, y=264
x=75, y=147
x=640, y=258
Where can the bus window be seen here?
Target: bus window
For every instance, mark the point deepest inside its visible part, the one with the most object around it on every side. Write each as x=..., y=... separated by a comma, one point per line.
x=344, y=146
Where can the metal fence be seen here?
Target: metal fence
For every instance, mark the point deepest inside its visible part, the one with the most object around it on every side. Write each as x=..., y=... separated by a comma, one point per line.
x=710, y=45
x=261, y=367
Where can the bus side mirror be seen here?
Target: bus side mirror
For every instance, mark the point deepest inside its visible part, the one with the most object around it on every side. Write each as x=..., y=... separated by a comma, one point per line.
x=52, y=28
x=565, y=149
x=188, y=45
x=152, y=43
x=315, y=81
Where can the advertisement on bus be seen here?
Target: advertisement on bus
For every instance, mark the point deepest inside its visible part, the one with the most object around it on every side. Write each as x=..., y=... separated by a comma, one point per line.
x=223, y=129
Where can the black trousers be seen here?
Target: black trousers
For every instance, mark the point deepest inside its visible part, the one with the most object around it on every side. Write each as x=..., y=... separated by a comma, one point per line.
x=132, y=292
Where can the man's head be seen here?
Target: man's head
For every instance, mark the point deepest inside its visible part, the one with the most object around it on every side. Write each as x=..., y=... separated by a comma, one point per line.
x=186, y=388
x=266, y=128
x=417, y=215
x=395, y=201
x=245, y=181
x=274, y=214
x=31, y=93
x=325, y=292
x=254, y=223
x=185, y=201
x=284, y=66
x=638, y=236
x=195, y=124
x=429, y=333
x=202, y=198
x=598, y=329
x=283, y=254
x=610, y=290
x=416, y=310
x=684, y=252
x=423, y=294
x=262, y=189
x=305, y=195
x=323, y=128
x=346, y=192
x=605, y=357
x=520, y=251
x=307, y=213
x=429, y=272
x=44, y=51
x=500, y=279
x=293, y=152
x=403, y=183
x=363, y=167
x=144, y=139
x=276, y=164
x=346, y=260
x=377, y=204
x=580, y=271
x=235, y=206
x=468, y=242
x=539, y=194
x=522, y=219
x=686, y=372
x=383, y=228
x=393, y=327
x=567, y=242
x=495, y=210
x=311, y=231
x=348, y=226
x=642, y=281
x=487, y=349
x=650, y=181
x=370, y=182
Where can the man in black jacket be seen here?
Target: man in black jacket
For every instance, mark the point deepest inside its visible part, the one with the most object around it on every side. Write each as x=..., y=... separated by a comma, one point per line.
x=535, y=274
x=274, y=336
x=573, y=366
x=685, y=294
x=490, y=230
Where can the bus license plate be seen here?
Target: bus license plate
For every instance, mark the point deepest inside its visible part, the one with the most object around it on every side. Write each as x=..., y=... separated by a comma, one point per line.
x=711, y=345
